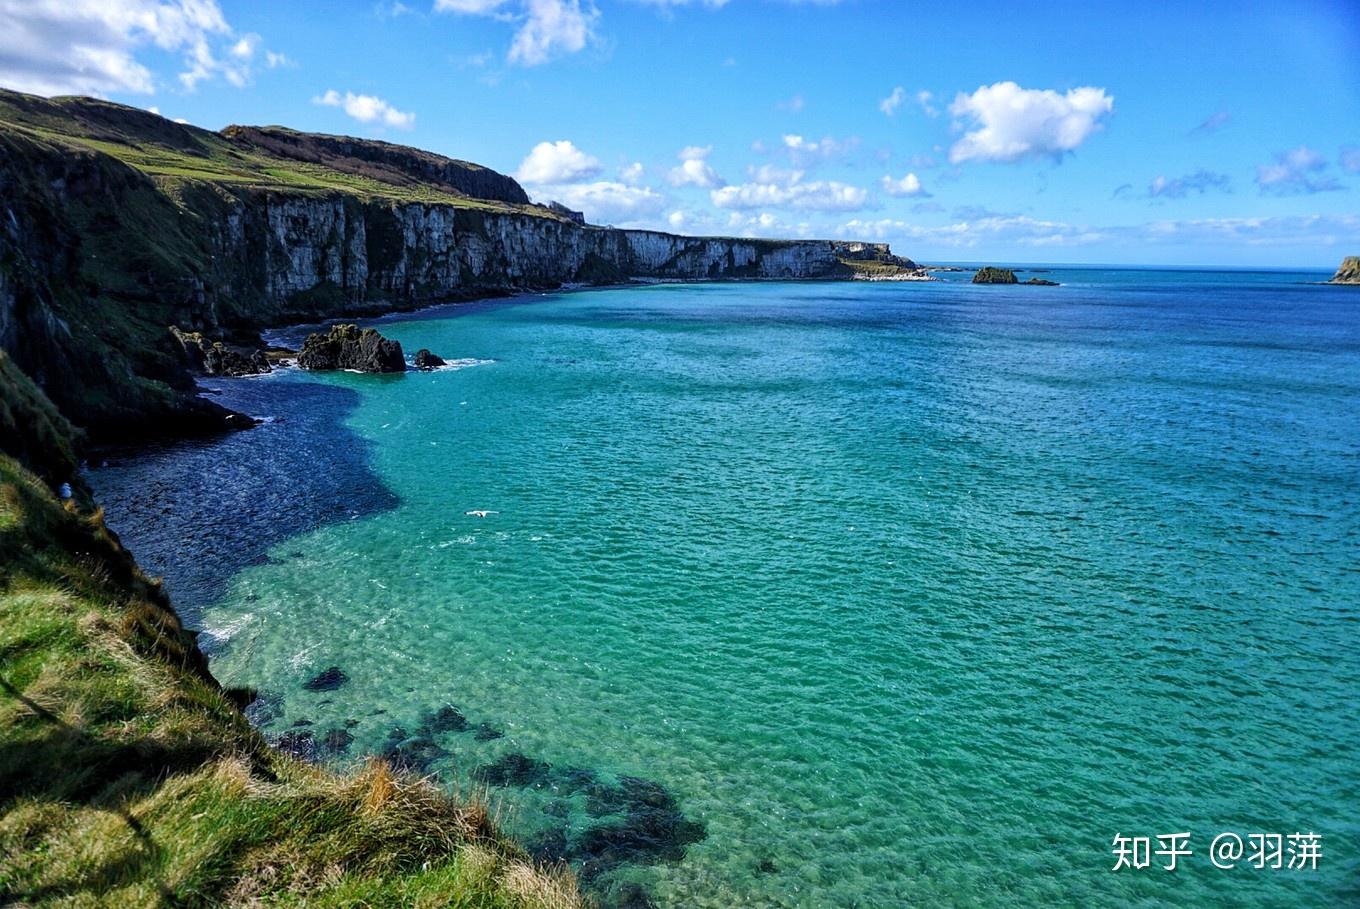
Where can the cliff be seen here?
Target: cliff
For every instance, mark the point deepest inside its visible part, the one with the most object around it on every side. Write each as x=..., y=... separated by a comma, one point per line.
x=129, y=778
x=116, y=224
x=1349, y=272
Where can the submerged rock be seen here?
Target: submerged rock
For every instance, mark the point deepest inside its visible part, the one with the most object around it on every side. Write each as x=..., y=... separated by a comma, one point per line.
x=415, y=753
x=426, y=360
x=1349, y=272
x=486, y=733
x=514, y=769
x=301, y=745
x=990, y=275
x=336, y=741
x=326, y=680
x=348, y=347
x=446, y=719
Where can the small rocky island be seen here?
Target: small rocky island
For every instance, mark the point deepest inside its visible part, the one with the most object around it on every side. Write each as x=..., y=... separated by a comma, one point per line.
x=991, y=275
x=1348, y=273
x=349, y=347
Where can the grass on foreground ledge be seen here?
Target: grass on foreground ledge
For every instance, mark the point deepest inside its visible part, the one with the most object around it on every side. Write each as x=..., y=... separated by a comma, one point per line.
x=128, y=779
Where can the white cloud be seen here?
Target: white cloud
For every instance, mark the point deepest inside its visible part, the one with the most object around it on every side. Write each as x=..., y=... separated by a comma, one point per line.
x=694, y=169
x=1010, y=123
x=822, y=195
x=792, y=105
x=1297, y=172
x=890, y=104
x=472, y=7
x=910, y=185
x=1201, y=181
x=632, y=173
x=52, y=47
x=607, y=202
x=557, y=162
x=367, y=109
x=803, y=152
x=926, y=101
x=546, y=29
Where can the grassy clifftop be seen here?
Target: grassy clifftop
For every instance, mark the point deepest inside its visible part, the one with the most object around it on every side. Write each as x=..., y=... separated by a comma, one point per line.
x=263, y=158
x=128, y=778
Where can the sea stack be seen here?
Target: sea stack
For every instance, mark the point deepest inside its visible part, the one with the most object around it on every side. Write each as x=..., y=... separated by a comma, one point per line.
x=347, y=347
x=1349, y=272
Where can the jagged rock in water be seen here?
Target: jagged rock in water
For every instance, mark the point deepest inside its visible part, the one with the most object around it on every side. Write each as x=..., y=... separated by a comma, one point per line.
x=990, y=275
x=349, y=347
x=215, y=358
x=426, y=360
x=1042, y=282
x=1349, y=272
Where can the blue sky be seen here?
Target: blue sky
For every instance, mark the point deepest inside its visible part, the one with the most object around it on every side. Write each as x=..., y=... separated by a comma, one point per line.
x=1139, y=133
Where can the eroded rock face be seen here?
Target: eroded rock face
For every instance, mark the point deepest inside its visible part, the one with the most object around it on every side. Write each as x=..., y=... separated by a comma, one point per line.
x=990, y=275
x=215, y=358
x=1349, y=272
x=349, y=347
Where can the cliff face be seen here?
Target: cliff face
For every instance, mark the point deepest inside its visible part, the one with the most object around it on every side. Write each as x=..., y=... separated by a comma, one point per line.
x=1349, y=272
x=116, y=225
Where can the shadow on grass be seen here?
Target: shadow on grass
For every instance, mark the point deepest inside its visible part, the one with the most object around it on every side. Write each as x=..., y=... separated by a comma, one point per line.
x=66, y=766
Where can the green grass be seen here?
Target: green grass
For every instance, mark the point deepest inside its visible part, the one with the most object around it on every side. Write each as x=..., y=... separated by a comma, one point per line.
x=128, y=778
x=171, y=154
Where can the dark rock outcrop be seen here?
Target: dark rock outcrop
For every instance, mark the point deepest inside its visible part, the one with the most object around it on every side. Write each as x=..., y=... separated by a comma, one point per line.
x=1041, y=282
x=349, y=347
x=214, y=358
x=426, y=360
x=1349, y=272
x=990, y=275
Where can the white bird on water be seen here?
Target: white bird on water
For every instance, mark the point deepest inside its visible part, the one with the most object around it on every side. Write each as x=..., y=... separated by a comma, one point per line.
x=480, y=514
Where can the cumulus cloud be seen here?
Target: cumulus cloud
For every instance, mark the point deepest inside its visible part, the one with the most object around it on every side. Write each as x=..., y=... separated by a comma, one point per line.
x=368, y=109
x=544, y=29
x=804, y=152
x=557, y=162
x=694, y=169
x=632, y=173
x=890, y=104
x=926, y=101
x=910, y=185
x=92, y=46
x=820, y=195
x=1005, y=122
x=1201, y=181
x=1297, y=172
x=607, y=202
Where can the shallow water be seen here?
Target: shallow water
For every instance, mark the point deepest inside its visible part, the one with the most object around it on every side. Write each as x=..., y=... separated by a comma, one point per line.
x=892, y=594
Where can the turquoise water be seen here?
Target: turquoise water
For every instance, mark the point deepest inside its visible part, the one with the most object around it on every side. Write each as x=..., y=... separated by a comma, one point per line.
x=892, y=594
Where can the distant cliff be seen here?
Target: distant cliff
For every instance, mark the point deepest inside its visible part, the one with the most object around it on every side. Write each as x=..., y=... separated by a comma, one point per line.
x=116, y=224
x=1349, y=272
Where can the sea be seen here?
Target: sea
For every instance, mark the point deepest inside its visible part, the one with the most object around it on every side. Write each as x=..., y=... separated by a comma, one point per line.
x=820, y=594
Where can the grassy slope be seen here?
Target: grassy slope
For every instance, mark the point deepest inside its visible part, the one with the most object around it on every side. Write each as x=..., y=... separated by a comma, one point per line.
x=177, y=154
x=128, y=778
